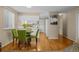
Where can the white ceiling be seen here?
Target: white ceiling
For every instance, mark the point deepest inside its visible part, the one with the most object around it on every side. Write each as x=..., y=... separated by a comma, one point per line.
x=37, y=9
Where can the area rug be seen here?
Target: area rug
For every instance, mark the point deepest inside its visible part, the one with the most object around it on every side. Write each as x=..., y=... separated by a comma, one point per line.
x=73, y=48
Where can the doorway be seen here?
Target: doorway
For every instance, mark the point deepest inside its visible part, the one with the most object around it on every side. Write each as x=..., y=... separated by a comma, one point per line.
x=62, y=25
x=42, y=25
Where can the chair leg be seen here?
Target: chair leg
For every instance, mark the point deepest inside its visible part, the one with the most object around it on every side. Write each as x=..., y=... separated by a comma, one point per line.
x=36, y=44
x=25, y=44
x=36, y=41
x=13, y=41
x=16, y=40
x=0, y=46
x=19, y=44
x=28, y=42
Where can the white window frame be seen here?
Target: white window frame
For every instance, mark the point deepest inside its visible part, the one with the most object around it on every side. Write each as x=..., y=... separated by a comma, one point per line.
x=9, y=19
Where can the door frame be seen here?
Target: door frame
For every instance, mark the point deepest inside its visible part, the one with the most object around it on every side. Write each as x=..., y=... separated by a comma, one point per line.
x=77, y=26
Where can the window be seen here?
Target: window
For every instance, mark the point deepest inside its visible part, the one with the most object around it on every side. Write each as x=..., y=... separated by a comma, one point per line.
x=29, y=19
x=9, y=18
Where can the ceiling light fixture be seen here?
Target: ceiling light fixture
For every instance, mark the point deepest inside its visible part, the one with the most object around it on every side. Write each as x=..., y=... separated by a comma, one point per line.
x=60, y=14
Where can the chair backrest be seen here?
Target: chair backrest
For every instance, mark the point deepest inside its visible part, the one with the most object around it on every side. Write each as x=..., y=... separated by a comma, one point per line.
x=14, y=32
x=37, y=33
x=22, y=35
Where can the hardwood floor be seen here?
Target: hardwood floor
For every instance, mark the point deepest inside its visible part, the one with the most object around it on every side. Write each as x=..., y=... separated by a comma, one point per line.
x=44, y=44
x=14, y=47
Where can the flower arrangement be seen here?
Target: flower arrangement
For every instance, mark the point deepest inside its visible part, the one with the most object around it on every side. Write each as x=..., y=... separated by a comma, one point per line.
x=26, y=25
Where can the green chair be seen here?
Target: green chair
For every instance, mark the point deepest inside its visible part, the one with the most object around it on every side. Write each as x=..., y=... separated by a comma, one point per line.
x=36, y=36
x=22, y=37
x=14, y=34
x=28, y=34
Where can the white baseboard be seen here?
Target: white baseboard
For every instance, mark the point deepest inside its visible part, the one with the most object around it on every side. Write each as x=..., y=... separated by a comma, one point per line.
x=52, y=37
x=67, y=37
x=3, y=45
x=71, y=39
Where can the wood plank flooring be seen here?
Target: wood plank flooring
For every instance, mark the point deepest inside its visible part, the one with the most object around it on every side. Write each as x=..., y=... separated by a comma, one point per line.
x=44, y=44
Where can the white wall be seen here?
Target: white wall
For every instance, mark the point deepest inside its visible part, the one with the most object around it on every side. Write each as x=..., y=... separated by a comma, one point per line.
x=77, y=27
x=71, y=24
x=5, y=34
x=1, y=22
x=4, y=38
